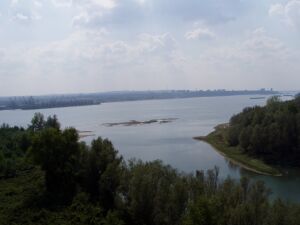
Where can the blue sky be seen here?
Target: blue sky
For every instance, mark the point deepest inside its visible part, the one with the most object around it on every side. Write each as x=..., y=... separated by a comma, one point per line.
x=70, y=46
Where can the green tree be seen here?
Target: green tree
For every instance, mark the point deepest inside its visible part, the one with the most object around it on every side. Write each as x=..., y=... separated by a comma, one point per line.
x=52, y=121
x=37, y=122
x=199, y=213
x=104, y=168
x=58, y=152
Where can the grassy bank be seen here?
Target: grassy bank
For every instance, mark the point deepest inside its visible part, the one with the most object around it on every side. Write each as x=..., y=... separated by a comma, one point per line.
x=235, y=155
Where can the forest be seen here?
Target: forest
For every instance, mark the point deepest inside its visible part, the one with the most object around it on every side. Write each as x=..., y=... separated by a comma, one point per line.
x=270, y=133
x=48, y=176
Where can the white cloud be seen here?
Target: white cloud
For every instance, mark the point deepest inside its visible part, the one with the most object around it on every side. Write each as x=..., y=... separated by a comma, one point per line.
x=37, y=3
x=289, y=12
x=91, y=12
x=141, y=1
x=62, y=3
x=26, y=18
x=200, y=34
x=144, y=43
x=85, y=19
x=14, y=2
x=108, y=4
x=25, y=10
x=89, y=56
x=135, y=12
x=276, y=10
x=257, y=60
x=257, y=48
x=20, y=16
x=260, y=46
x=292, y=11
x=258, y=55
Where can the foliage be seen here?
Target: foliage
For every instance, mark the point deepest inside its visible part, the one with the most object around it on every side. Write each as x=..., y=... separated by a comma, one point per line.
x=102, y=173
x=57, y=152
x=72, y=183
x=14, y=142
x=271, y=133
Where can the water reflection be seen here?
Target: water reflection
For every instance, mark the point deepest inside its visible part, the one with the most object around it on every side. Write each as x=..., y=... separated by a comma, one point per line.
x=232, y=166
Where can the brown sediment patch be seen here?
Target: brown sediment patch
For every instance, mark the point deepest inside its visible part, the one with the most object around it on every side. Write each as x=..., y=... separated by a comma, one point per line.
x=135, y=122
x=85, y=133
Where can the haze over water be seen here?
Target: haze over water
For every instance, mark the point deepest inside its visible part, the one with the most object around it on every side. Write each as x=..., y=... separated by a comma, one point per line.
x=170, y=142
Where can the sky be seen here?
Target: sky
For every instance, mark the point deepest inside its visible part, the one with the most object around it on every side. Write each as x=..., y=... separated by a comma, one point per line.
x=77, y=46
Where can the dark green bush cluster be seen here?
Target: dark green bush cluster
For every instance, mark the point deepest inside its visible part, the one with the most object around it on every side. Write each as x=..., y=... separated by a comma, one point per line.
x=14, y=142
x=271, y=132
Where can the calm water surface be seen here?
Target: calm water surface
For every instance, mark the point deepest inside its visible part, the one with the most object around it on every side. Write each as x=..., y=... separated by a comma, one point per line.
x=170, y=142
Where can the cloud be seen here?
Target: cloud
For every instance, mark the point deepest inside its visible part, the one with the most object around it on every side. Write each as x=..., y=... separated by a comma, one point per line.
x=200, y=34
x=14, y=2
x=256, y=48
x=108, y=4
x=289, y=12
x=25, y=11
x=260, y=46
x=96, y=45
x=110, y=12
x=37, y=3
x=256, y=60
x=97, y=62
x=276, y=10
x=92, y=13
x=26, y=18
x=62, y=3
x=85, y=3
x=20, y=16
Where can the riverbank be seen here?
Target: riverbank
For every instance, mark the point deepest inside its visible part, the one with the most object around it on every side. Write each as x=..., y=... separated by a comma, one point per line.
x=234, y=155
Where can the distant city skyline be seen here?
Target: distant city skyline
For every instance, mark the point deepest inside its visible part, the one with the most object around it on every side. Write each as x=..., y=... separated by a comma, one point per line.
x=85, y=46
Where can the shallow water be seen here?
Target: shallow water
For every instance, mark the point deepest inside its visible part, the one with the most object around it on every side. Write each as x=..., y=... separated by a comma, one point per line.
x=171, y=142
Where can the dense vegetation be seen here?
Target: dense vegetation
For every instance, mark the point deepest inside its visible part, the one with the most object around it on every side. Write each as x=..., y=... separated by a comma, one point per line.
x=271, y=133
x=58, y=180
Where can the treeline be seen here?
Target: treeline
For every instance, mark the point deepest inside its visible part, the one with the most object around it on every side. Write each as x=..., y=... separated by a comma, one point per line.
x=67, y=182
x=28, y=103
x=271, y=133
x=55, y=101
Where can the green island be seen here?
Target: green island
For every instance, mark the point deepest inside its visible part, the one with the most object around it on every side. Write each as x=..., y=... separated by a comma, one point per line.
x=234, y=154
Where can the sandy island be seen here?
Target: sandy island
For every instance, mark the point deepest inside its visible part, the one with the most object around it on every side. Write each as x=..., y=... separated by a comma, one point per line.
x=135, y=122
x=84, y=133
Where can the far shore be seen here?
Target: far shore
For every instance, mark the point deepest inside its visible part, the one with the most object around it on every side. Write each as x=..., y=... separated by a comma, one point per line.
x=235, y=156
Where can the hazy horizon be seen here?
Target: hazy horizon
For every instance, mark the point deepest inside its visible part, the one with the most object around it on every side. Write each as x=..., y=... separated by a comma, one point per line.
x=76, y=46
x=149, y=90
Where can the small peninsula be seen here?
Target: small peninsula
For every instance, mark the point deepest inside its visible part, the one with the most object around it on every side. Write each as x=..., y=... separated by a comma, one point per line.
x=261, y=139
x=217, y=140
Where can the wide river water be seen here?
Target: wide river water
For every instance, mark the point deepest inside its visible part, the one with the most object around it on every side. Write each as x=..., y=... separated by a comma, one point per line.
x=170, y=142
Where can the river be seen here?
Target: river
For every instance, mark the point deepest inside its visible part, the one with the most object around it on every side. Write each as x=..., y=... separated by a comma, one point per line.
x=170, y=142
